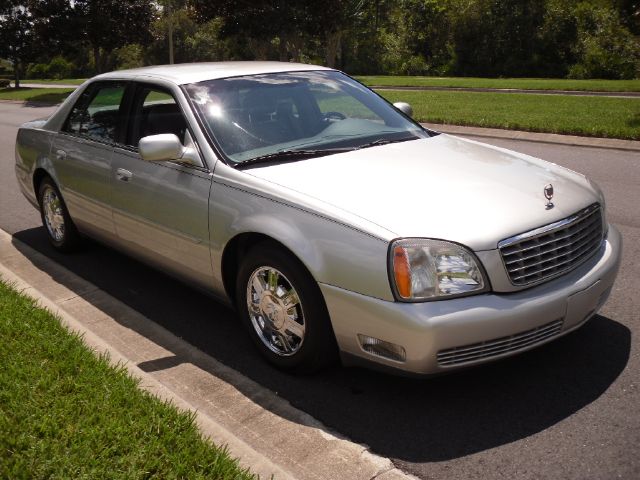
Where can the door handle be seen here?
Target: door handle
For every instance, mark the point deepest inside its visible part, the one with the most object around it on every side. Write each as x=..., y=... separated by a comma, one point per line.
x=124, y=175
x=61, y=154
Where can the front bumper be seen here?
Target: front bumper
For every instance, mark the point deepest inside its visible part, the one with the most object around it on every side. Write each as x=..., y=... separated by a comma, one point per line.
x=481, y=324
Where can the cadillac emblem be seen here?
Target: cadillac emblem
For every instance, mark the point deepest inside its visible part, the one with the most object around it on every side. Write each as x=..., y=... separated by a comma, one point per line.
x=548, y=193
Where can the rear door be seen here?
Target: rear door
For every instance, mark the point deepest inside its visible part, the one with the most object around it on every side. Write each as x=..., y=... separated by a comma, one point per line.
x=82, y=155
x=160, y=209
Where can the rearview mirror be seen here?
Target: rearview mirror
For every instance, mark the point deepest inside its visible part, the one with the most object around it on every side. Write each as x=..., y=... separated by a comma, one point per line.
x=163, y=147
x=405, y=108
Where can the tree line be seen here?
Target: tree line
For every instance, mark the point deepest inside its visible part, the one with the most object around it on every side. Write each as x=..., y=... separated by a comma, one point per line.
x=492, y=38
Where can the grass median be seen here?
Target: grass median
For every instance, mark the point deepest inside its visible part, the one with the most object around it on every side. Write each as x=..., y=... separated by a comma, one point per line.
x=66, y=413
x=36, y=95
x=586, y=116
x=509, y=83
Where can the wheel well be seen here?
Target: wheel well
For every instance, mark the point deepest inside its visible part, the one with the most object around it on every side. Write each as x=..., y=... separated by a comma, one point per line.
x=38, y=175
x=236, y=249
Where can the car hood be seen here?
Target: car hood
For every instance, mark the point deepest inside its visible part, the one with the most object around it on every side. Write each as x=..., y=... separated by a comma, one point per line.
x=442, y=187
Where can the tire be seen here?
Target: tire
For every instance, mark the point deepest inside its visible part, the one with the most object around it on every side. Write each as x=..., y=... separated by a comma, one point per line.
x=288, y=320
x=61, y=231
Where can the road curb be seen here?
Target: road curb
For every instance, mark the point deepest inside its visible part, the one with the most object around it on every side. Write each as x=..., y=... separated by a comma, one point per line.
x=550, y=138
x=261, y=429
x=524, y=91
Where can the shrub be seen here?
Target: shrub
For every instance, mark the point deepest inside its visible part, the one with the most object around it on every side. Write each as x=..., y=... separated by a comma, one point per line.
x=129, y=56
x=60, y=68
x=4, y=83
x=38, y=70
x=607, y=49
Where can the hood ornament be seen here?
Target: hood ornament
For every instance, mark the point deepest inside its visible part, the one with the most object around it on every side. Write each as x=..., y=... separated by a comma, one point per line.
x=548, y=193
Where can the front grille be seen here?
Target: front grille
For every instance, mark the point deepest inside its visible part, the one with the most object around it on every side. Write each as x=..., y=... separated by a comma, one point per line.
x=498, y=346
x=554, y=249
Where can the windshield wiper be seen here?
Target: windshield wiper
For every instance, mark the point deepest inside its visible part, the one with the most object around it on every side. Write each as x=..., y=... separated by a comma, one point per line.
x=290, y=156
x=284, y=156
x=385, y=141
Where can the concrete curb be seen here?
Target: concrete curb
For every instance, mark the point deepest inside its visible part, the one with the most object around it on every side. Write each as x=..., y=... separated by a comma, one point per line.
x=525, y=91
x=551, y=138
x=262, y=430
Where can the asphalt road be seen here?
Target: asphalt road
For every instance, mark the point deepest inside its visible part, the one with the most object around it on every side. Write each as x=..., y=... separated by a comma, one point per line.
x=570, y=409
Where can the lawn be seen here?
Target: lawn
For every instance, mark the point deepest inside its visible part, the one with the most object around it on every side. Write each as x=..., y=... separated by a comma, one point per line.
x=587, y=116
x=521, y=83
x=66, y=413
x=42, y=95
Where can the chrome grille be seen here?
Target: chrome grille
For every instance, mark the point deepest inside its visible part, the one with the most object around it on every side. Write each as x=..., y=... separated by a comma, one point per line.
x=498, y=346
x=554, y=249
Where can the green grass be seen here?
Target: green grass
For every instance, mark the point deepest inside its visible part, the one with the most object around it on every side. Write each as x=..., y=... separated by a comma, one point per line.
x=66, y=413
x=522, y=83
x=42, y=95
x=587, y=116
x=64, y=81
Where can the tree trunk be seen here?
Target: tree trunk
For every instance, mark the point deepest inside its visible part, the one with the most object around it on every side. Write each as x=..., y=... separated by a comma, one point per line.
x=333, y=45
x=16, y=74
x=282, y=48
x=259, y=47
x=97, y=59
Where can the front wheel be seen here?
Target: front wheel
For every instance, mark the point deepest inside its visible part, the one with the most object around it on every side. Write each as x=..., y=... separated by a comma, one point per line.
x=61, y=231
x=284, y=311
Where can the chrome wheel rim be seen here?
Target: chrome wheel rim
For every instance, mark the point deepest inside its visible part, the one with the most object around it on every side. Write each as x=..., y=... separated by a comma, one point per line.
x=275, y=311
x=53, y=217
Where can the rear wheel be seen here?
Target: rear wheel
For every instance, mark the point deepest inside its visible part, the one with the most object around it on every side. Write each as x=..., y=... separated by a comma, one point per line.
x=61, y=231
x=284, y=311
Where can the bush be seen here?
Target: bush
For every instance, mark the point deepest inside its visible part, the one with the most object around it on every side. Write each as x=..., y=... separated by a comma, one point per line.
x=4, y=83
x=58, y=68
x=129, y=56
x=38, y=70
x=607, y=49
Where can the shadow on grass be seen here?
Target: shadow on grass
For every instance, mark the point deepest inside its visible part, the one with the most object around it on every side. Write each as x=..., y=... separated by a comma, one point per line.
x=634, y=122
x=414, y=420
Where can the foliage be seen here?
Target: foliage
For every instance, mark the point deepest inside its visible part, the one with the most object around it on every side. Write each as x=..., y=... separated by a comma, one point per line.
x=491, y=38
x=16, y=35
x=607, y=49
x=129, y=56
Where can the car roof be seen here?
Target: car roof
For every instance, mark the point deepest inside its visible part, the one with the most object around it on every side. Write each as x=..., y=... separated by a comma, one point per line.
x=183, y=73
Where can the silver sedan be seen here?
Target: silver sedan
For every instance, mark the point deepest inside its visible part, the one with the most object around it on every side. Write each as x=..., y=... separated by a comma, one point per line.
x=335, y=224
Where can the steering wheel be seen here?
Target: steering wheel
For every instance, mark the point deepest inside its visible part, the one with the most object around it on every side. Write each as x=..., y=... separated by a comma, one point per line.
x=334, y=116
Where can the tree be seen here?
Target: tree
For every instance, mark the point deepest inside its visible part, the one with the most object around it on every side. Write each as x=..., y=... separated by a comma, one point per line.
x=16, y=36
x=106, y=25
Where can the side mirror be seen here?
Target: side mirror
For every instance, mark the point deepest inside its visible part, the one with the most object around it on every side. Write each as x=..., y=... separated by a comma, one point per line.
x=163, y=147
x=405, y=108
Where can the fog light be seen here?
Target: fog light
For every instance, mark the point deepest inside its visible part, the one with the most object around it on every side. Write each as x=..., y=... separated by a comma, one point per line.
x=378, y=347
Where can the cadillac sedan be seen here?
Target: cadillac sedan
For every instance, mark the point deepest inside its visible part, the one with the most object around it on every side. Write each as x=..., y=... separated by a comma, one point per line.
x=335, y=224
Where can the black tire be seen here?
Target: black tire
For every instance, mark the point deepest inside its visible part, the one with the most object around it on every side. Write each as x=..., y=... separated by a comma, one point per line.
x=62, y=232
x=317, y=348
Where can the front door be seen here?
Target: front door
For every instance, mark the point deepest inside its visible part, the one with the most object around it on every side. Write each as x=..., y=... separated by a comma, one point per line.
x=160, y=209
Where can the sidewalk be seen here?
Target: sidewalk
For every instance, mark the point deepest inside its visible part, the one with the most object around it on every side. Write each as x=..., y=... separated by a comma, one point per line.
x=261, y=429
x=578, y=93
x=45, y=85
x=553, y=138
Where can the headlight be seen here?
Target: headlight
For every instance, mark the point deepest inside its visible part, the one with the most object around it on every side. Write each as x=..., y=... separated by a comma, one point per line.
x=423, y=269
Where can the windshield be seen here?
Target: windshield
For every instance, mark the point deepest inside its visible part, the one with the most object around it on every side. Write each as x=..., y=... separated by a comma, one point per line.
x=321, y=112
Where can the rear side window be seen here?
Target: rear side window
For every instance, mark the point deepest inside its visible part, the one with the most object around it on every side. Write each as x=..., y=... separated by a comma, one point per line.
x=96, y=114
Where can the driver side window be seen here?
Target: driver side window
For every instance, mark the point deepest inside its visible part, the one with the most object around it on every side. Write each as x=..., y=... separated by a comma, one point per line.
x=155, y=112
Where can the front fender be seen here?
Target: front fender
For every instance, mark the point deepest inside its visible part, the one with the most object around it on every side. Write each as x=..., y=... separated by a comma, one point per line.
x=334, y=253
